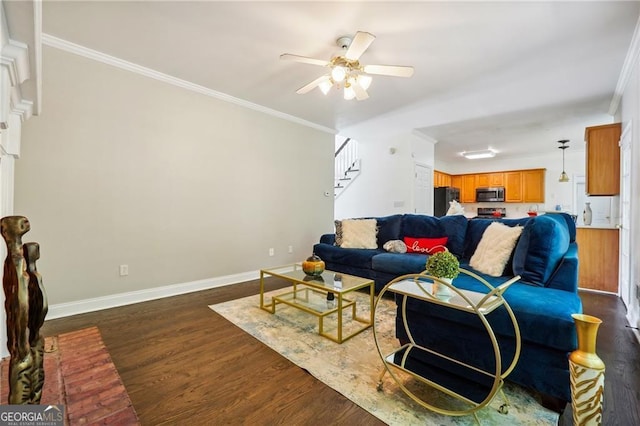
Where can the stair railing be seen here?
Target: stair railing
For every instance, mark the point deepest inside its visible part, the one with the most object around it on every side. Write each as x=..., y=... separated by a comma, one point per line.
x=347, y=165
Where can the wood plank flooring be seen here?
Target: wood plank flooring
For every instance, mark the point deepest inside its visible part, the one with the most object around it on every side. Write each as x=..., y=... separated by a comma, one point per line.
x=182, y=363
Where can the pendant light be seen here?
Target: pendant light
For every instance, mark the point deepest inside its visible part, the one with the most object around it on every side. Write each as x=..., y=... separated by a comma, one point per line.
x=563, y=176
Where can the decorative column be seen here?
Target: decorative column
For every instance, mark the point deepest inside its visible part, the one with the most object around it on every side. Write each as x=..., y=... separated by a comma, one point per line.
x=587, y=373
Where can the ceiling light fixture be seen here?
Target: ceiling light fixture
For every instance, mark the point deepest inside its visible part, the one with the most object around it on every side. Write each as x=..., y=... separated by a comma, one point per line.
x=474, y=155
x=345, y=70
x=563, y=176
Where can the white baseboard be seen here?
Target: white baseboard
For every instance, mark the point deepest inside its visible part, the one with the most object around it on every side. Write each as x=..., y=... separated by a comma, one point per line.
x=61, y=310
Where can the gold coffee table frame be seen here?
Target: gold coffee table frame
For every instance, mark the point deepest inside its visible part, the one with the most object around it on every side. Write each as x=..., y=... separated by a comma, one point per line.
x=424, y=287
x=326, y=283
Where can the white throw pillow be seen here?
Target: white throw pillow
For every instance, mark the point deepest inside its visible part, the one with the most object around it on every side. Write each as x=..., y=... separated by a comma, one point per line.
x=494, y=249
x=359, y=233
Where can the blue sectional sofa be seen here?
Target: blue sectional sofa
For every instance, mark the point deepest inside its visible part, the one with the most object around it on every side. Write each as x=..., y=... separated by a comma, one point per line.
x=545, y=256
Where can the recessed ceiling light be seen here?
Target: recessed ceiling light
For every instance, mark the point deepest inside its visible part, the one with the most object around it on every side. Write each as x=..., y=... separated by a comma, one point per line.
x=474, y=155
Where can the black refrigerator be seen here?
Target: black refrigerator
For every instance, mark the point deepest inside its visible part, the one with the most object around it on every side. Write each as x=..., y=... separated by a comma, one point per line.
x=441, y=198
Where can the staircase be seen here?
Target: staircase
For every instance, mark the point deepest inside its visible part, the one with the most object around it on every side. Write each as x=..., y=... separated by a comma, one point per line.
x=347, y=166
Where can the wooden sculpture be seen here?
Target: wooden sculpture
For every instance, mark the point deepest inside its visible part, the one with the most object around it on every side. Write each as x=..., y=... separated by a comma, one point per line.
x=25, y=306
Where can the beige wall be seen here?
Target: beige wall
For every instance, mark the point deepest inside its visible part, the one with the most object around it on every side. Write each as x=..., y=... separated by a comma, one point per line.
x=123, y=169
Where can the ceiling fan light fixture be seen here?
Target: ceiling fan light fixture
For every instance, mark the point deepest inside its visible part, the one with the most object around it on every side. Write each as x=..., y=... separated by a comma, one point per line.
x=349, y=93
x=475, y=155
x=325, y=86
x=345, y=69
x=364, y=81
x=338, y=73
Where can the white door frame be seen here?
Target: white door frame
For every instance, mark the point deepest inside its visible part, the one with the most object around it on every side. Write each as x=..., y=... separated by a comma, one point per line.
x=626, y=201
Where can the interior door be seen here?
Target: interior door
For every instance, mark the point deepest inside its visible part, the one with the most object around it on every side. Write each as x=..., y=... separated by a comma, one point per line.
x=625, y=216
x=423, y=189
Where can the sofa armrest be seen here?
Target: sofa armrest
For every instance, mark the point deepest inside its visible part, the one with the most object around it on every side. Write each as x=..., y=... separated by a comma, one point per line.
x=565, y=277
x=328, y=239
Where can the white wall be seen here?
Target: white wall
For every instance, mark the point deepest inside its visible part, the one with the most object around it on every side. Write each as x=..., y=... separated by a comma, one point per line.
x=385, y=185
x=123, y=169
x=387, y=180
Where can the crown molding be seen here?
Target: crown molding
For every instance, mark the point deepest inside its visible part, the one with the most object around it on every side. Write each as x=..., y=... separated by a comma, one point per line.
x=627, y=68
x=15, y=62
x=15, y=58
x=423, y=136
x=95, y=55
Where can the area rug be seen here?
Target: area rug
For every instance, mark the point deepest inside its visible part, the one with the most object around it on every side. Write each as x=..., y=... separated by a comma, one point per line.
x=80, y=375
x=353, y=368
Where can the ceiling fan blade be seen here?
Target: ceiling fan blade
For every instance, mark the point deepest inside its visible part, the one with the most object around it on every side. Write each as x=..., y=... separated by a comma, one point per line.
x=359, y=44
x=392, y=70
x=304, y=59
x=361, y=94
x=315, y=83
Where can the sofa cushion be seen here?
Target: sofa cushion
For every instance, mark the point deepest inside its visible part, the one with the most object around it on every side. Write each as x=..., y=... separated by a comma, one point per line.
x=455, y=227
x=359, y=234
x=541, y=246
x=421, y=226
x=388, y=228
x=399, y=264
x=495, y=248
x=345, y=256
x=566, y=219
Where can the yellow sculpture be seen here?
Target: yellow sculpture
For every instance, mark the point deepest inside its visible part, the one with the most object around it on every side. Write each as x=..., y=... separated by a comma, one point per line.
x=26, y=307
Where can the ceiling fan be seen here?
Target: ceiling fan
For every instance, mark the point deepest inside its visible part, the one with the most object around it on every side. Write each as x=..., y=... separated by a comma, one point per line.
x=346, y=71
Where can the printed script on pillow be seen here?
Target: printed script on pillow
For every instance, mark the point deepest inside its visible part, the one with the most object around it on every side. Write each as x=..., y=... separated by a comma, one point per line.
x=494, y=249
x=426, y=245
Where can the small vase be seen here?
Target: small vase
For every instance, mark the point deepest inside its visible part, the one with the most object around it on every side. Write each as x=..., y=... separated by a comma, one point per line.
x=586, y=371
x=313, y=266
x=442, y=291
x=587, y=214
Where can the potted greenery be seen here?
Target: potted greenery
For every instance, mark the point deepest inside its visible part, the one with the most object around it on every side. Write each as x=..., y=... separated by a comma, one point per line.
x=444, y=266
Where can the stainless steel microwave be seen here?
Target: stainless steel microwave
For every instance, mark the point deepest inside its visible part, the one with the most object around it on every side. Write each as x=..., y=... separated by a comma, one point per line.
x=495, y=194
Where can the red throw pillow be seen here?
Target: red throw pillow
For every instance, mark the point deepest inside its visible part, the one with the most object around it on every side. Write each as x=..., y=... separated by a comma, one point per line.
x=426, y=245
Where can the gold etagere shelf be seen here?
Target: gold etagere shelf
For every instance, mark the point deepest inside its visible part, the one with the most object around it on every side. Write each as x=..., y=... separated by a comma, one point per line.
x=476, y=387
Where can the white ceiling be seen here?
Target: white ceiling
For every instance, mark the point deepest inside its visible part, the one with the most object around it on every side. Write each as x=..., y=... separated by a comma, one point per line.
x=511, y=75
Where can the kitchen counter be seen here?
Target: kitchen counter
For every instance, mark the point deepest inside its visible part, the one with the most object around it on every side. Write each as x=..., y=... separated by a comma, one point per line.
x=597, y=226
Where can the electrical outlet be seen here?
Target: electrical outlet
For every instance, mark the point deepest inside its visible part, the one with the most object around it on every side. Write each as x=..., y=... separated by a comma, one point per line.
x=124, y=270
x=290, y=249
x=272, y=252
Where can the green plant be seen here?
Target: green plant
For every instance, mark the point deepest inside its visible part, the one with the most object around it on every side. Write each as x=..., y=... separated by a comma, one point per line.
x=443, y=265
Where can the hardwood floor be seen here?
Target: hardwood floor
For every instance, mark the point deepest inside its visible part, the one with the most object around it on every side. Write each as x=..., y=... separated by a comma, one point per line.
x=182, y=363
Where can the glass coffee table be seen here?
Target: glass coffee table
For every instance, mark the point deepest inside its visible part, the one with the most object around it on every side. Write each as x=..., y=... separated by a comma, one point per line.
x=323, y=296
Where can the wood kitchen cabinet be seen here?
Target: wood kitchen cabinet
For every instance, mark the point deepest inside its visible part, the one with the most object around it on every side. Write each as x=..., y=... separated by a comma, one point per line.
x=524, y=186
x=598, y=255
x=489, y=180
x=521, y=186
x=603, y=159
x=513, y=187
x=456, y=181
x=468, y=189
x=533, y=186
x=441, y=179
